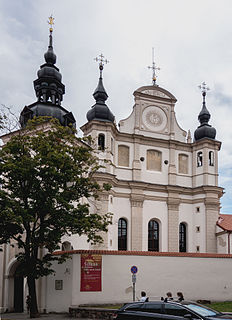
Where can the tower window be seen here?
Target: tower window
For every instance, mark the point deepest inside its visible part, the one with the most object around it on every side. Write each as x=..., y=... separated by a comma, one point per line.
x=211, y=158
x=197, y=229
x=182, y=238
x=123, y=156
x=199, y=159
x=122, y=234
x=153, y=235
x=183, y=163
x=101, y=141
x=154, y=159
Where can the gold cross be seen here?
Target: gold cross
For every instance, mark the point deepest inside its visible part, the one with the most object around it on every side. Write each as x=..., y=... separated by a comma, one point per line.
x=51, y=22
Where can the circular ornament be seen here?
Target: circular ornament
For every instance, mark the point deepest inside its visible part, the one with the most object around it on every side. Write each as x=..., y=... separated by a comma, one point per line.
x=154, y=118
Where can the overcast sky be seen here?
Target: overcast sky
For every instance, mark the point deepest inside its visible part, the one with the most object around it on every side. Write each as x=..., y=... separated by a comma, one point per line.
x=192, y=41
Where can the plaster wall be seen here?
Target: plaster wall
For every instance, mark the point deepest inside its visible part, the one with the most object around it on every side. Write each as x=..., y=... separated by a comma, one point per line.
x=198, y=277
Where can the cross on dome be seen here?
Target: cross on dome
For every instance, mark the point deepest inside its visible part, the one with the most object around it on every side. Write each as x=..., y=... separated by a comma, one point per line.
x=51, y=22
x=154, y=68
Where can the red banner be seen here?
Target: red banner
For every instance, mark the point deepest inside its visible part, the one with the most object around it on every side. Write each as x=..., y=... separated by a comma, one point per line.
x=91, y=268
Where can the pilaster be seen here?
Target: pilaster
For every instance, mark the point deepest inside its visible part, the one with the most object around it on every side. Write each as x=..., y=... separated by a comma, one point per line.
x=102, y=204
x=136, y=222
x=211, y=215
x=173, y=203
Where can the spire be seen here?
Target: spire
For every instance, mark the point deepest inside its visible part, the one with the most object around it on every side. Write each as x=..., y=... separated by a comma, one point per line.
x=154, y=68
x=100, y=111
x=48, y=86
x=49, y=90
x=50, y=56
x=100, y=94
x=204, y=130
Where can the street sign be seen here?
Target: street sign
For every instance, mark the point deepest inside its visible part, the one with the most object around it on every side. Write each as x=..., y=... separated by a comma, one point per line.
x=134, y=269
x=133, y=278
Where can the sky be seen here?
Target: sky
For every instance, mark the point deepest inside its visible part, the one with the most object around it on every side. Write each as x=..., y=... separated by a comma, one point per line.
x=192, y=41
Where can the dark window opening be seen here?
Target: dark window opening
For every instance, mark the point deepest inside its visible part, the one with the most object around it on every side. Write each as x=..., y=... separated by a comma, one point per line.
x=122, y=234
x=153, y=236
x=101, y=141
x=199, y=159
x=211, y=158
x=182, y=238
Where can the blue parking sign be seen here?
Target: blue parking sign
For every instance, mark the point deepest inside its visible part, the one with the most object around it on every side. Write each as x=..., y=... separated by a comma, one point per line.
x=134, y=269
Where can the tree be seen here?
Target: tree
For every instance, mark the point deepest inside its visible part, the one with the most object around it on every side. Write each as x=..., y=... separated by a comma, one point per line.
x=45, y=172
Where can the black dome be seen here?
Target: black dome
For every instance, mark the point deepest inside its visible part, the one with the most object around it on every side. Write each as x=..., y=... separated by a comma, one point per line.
x=100, y=111
x=204, y=130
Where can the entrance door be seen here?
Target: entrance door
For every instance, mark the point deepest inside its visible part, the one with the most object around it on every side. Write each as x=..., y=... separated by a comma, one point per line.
x=18, y=292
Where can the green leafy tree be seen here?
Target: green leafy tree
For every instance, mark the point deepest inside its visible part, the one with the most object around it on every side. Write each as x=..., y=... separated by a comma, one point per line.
x=45, y=172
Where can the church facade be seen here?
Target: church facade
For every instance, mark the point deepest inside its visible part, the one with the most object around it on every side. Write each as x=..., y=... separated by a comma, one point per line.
x=164, y=194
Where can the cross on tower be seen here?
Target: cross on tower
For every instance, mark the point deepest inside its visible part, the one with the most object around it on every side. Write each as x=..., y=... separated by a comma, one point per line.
x=51, y=22
x=154, y=68
x=204, y=89
x=101, y=60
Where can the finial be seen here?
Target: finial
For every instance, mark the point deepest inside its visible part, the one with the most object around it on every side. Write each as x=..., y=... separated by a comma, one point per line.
x=51, y=22
x=101, y=60
x=154, y=68
x=204, y=89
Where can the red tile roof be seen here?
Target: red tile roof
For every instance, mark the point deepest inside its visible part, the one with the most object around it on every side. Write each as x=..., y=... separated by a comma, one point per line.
x=225, y=222
x=147, y=253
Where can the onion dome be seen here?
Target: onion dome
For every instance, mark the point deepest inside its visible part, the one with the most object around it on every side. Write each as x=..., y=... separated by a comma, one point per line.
x=204, y=130
x=49, y=91
x=99, y=110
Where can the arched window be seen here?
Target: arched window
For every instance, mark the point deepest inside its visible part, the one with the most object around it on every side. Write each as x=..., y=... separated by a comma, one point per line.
x=122, y=234
x=199, y=159
x=153, y=235
x=66, y=246
x=154, y=159
x=101, y=141
x=211, y=158
x=182, y=238
x=123, y=156
x=183, y=163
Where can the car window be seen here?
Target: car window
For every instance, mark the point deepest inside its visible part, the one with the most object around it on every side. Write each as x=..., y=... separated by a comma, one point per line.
x=206, y=312
x=134, y=307
x=175, y=310
x=152, y=307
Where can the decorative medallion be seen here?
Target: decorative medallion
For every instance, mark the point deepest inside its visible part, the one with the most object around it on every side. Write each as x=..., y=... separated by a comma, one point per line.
x=154, y=118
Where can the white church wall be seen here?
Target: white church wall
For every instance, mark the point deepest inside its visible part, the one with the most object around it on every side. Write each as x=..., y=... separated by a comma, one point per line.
x=186, y=217
x=155, y=210
x=121, y=209
x=154, y=176
x=58, y=291
x=157, y=274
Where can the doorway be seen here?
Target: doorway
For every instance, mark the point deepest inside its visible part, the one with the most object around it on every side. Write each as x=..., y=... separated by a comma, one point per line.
x=18, y=291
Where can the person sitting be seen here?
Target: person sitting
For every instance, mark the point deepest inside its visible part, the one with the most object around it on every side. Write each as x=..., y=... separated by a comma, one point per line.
x=144, y=297
x=168, y=297
x=180, y=296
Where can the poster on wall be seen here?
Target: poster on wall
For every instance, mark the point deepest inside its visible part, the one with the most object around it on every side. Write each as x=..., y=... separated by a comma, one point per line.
x=91, y=269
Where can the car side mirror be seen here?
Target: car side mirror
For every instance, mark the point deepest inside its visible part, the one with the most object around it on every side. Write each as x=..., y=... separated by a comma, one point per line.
x=188, y=316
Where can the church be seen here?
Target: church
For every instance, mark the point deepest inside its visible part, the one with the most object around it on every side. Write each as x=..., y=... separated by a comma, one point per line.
x=165, y=196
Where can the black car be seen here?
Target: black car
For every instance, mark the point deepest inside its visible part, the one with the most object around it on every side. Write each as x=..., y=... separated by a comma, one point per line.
x=170, y=310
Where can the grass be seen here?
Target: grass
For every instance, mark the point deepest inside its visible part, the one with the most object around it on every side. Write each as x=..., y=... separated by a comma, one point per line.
x=225, y=306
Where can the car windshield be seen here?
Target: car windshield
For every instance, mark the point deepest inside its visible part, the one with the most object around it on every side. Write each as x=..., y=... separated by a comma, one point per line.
x=202, y=311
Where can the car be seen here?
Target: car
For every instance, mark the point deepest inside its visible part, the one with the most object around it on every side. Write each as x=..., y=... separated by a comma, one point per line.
x=170, y=310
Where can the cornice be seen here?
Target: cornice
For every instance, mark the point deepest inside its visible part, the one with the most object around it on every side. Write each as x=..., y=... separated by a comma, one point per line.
x=102, y=177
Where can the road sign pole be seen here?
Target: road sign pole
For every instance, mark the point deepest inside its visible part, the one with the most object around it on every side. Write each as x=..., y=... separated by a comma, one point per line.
x=133, y=291
x=134, y=270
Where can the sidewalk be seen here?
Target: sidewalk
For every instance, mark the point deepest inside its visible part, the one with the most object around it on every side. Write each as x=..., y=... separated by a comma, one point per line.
x=25, y=316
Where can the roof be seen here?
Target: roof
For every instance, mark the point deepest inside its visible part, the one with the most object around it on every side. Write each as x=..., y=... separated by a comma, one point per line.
x=225, y=222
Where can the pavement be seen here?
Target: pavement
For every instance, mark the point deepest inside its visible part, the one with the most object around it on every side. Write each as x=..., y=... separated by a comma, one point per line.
x=47, y=316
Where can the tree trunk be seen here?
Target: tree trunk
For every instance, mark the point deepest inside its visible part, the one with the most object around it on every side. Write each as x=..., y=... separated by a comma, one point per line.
x=33, y=299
